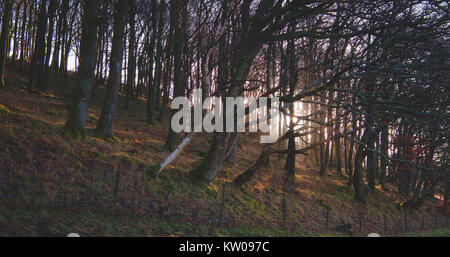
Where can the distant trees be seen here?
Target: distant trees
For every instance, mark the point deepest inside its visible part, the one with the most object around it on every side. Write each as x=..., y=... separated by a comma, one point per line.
x=150, y=50
x=158, y=62
x=131, y=75
x=15, y=30
x=4, y=37
x=61, y=52
x=49, y=42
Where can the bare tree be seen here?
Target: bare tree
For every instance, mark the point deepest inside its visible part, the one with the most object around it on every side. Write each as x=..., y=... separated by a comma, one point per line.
x=4, y=39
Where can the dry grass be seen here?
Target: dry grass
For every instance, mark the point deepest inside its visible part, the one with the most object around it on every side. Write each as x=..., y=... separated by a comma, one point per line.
x=32, y=123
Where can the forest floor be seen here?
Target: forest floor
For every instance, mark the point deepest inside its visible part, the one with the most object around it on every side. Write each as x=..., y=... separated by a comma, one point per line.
x=30, y=129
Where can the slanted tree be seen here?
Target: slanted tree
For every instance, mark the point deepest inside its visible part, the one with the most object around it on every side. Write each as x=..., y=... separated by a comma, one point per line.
x=242, y=59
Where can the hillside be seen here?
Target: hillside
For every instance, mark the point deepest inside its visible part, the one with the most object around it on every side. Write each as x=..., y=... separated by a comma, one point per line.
x=36, y=201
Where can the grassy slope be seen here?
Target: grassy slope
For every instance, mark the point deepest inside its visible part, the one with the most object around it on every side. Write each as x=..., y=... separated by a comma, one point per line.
x=31, y=123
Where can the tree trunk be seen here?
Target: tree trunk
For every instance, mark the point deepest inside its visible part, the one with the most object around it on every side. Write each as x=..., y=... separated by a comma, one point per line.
x=159, y=54
x=290, y=161
x=179, y=8
x=166, y=80
x=104, y=126
x=65, y=28
x=151, y=82
x=76, y=121
x=68, y=43
x=51, y=15
x=15, y=31
x=329, y=130
x=55, y=56
x=30, y=32
x=352, y=145
x=131, y=57
x=22, y=32
x=371, y=164
x=384, y=153
x=211, y=165
x=232, y=156
x=246, y=176
x=361, y=190
x=323, y=148
x=37, y=61
x=337, y=139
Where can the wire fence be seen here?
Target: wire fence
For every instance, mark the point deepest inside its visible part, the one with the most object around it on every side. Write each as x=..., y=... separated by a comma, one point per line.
x=94, y=184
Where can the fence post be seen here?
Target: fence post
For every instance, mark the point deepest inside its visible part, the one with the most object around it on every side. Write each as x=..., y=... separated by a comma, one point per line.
x=423, y=222
x=435, y=222
x=70, y=189
x=360, y=222
x=222, y=204
x=39, y=179
x=328, y=216
x=283, y=207
x=116, y=188
x=406, y=220
x=385, y=224
x=11, y=167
